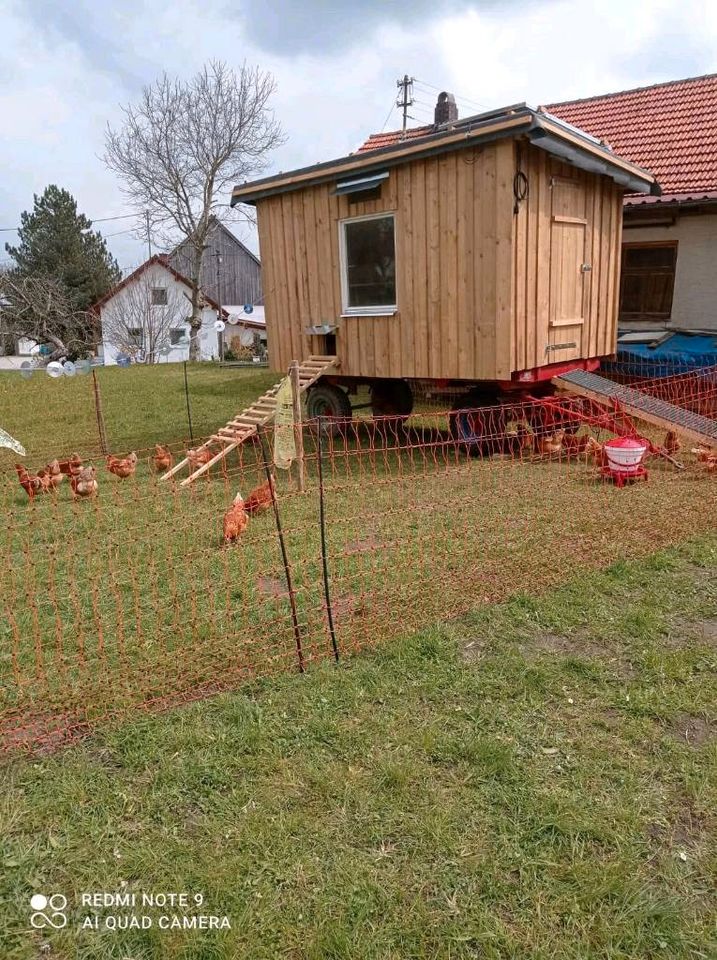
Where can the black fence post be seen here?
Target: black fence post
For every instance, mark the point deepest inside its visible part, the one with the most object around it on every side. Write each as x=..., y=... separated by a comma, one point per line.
x=189, y=407
x=324, y=560
x=284, y=555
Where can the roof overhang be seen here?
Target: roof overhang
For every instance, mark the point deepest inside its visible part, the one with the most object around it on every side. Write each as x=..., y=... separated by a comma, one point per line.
x=546, y=132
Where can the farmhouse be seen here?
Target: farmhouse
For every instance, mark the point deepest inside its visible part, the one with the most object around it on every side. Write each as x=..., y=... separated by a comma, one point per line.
x=670, y=242
x=482, y=251
x=146, y=316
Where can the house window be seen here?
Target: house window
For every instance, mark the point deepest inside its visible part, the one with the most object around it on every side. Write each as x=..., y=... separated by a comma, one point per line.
x=648, y=280
x=176, y=337
x=368, y=265
x=135, y=337
x=159, y=297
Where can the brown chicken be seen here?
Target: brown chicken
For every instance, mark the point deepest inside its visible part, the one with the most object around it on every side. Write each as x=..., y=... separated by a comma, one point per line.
x=551, y=445
x=72, y=466
x=260, y=498
x=162, y=459
x=32, y=484
x=594, y=451
x=575, y=446
x=671, y=443
x=236, y=520
x=84, y=483
x=197, y=458
x=54, y=472
x=122, y=467
x=707, y=457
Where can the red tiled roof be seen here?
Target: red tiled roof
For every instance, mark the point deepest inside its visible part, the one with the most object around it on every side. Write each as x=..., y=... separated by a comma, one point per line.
x=378, y=140
x=669, y=128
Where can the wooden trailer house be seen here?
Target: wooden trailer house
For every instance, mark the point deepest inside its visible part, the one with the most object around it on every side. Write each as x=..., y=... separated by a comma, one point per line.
x=483, y=255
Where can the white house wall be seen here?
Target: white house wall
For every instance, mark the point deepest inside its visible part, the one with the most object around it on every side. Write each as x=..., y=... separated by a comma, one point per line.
x=694, y=303
x=158, y=276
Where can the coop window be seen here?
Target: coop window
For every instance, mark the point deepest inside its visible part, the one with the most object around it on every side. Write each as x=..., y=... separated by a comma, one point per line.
x=368, y=265
x=176, y=337
x=648, y=280
x=159, y=297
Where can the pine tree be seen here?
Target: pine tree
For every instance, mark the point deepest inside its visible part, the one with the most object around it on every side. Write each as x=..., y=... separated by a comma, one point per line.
x=58, y=242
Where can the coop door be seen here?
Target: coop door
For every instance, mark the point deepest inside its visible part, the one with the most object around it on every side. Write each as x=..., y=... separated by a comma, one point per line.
x=568, y=269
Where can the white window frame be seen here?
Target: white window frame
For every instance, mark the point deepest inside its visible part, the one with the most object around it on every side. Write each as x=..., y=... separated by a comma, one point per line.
x=383, y=310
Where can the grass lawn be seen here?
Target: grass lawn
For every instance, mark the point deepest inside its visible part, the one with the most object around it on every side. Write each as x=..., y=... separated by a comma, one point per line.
x=142, y=406
x=536, y=780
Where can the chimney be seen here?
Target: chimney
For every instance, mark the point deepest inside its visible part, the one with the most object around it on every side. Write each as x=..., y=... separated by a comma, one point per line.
x=446, y=110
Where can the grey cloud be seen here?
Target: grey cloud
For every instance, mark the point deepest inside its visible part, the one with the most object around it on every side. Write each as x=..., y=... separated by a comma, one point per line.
x=93, y=28
x=323, y=26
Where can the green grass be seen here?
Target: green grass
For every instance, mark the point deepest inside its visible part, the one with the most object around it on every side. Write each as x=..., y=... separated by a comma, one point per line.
x=537, y=779
x=141, y=406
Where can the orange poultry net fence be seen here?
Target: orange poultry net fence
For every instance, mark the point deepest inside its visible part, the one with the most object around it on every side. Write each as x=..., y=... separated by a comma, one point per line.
x=130, y=599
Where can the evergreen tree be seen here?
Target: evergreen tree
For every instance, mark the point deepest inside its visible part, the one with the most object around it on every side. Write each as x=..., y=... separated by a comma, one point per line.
x=58, y=242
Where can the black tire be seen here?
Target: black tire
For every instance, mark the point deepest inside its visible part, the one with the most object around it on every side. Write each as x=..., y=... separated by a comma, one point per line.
x=391, y=398
x=478, y=423
x=329, y=402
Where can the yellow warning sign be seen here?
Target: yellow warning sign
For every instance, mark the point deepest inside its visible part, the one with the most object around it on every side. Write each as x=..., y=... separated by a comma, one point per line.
x=284, y=436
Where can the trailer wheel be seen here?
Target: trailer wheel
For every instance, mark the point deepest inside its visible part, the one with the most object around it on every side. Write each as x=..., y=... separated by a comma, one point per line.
x=329, y=402
x=391, y=398
x=479, y=424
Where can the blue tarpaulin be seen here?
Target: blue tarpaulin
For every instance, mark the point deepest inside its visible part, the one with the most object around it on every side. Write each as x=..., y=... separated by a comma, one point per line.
x=665, y=357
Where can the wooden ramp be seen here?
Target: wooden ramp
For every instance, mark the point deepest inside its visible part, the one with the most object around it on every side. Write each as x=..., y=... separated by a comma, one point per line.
x=246, y=423
x=634, y=402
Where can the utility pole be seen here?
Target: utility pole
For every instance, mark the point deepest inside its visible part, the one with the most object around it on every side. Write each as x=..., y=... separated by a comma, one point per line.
x=219, y=302
x=405, y=98
x=149, y=238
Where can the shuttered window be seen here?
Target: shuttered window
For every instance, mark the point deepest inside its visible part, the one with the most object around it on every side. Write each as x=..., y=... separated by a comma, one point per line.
x=647, y=281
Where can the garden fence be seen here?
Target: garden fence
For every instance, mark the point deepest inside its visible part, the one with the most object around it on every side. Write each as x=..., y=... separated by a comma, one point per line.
x=129, y=601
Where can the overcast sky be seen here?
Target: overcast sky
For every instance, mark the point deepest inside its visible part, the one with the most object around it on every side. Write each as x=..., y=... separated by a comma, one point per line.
x=66, y=65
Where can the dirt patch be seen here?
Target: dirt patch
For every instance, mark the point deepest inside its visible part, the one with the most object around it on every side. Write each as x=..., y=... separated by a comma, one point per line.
x=707, y=630
x=364, y=545
x=683, y=830
x=694, y=731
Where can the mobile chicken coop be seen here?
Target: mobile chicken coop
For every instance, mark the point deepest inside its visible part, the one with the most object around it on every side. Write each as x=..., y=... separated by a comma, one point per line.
x=482, y=255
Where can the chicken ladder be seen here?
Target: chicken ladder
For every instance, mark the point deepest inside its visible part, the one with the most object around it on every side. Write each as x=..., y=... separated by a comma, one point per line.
x=246, y=423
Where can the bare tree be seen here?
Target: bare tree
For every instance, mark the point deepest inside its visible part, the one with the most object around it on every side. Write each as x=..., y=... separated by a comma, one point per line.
x=135, y=325
x=41, y=309
x=184, y=145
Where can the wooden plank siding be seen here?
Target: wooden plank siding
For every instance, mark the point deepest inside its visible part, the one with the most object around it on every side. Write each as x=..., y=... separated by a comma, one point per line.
x=473, y=276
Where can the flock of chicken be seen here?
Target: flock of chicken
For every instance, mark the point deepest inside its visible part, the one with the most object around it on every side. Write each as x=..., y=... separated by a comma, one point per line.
x=83, y=483
x=562, y=443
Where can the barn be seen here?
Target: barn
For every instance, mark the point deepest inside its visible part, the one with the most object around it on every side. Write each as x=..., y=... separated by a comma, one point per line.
x=484, y=253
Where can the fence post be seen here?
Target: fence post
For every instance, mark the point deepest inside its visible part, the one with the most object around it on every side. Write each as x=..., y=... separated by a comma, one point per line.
x=324, y=559
x=298, y=427
x=284, y=555
x=104, y=450
x=189, y=408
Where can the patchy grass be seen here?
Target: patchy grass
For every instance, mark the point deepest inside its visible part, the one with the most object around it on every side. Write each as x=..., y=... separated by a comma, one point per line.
x=498, y=787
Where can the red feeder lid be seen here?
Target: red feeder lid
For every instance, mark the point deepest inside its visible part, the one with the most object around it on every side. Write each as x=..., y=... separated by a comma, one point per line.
x=626, y=443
